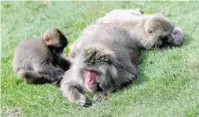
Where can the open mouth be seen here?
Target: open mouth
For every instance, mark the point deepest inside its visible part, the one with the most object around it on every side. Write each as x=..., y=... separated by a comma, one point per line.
x=90, y=76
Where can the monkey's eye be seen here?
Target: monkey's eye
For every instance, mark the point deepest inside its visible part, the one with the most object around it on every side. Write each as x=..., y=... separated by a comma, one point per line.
x=175, y=32
x=98, y=87
x=150, y=31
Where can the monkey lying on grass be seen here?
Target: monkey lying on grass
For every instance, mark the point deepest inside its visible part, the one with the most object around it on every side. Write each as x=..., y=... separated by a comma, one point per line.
x=39, y=59
x=106, y=61
x=151, y=30
x=106, y=54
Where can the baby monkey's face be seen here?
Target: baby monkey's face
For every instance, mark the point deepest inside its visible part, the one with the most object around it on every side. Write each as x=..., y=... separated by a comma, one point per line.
x=175, y=38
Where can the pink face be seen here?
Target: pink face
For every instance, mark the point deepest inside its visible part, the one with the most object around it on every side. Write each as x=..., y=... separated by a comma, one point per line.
x=90, y=78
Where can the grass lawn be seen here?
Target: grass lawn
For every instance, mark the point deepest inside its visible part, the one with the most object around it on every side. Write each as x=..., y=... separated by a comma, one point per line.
x=168, y=83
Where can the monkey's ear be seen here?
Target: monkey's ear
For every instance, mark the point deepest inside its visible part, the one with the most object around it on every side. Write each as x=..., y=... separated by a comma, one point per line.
x=47, y=40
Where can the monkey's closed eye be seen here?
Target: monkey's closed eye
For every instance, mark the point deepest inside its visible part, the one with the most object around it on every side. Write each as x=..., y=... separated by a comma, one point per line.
x=150, y=31
x=175, y=33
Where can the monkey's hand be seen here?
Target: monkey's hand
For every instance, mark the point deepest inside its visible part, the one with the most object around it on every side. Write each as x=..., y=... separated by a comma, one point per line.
x=62, y=61
x=73, y=94
x=58, y=75
x=59, y=72
x=98, y=97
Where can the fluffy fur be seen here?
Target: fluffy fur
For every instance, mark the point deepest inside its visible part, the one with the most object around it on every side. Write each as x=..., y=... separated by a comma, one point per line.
x=107, y=49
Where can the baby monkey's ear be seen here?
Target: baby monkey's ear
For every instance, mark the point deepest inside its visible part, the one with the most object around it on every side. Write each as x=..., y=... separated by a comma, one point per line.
x=47, y=40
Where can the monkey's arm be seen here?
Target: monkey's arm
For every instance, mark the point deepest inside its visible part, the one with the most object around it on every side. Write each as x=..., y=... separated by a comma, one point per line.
x=48, y=71
x=73, y=93
x=101, y=95
x=61, y=62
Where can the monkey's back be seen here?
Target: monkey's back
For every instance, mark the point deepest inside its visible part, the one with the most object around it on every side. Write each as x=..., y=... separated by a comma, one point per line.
x=115, y=39
x=111, y=36
x=29, y=51
x=97, y=43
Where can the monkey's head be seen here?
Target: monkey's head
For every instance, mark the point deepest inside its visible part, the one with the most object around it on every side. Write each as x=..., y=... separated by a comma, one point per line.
x=55, y=40
x=163, y=32
x=176, y=38
x=97, y=68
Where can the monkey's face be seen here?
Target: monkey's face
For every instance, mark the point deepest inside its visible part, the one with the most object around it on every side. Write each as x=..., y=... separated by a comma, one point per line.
x=95, y=70
x=163, y=32
x=175, y=38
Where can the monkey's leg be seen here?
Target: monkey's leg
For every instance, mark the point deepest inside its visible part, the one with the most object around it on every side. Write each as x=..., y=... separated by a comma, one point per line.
x=73, y=94
x=35, y=78
x=49, y=72
x=29, y=75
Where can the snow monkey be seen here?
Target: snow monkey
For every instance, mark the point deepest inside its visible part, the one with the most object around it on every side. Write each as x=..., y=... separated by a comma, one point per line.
x=39, y=60
x=106, y=60
x=151, y=30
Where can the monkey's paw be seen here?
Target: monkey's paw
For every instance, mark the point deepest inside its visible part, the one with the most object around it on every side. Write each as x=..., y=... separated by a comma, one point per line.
x=86, y=102
x=99, y=97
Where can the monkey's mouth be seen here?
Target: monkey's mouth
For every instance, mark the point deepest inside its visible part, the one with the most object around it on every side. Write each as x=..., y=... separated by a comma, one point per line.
x=90, y=77
x=164, y=43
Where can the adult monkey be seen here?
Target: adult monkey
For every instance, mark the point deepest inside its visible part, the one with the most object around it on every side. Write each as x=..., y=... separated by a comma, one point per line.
x=106, y=61
x=39, y=59
x=151, y=30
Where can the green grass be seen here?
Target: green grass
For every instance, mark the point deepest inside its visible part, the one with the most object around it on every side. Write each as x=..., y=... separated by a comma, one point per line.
x=168, y=83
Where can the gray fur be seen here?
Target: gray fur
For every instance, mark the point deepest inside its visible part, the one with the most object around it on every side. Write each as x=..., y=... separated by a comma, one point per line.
x=36, y=63
x=161, y=28
x=108, y=49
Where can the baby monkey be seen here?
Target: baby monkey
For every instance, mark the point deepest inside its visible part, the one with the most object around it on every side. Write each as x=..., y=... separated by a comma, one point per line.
x=39, y=60
x=151, y=30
